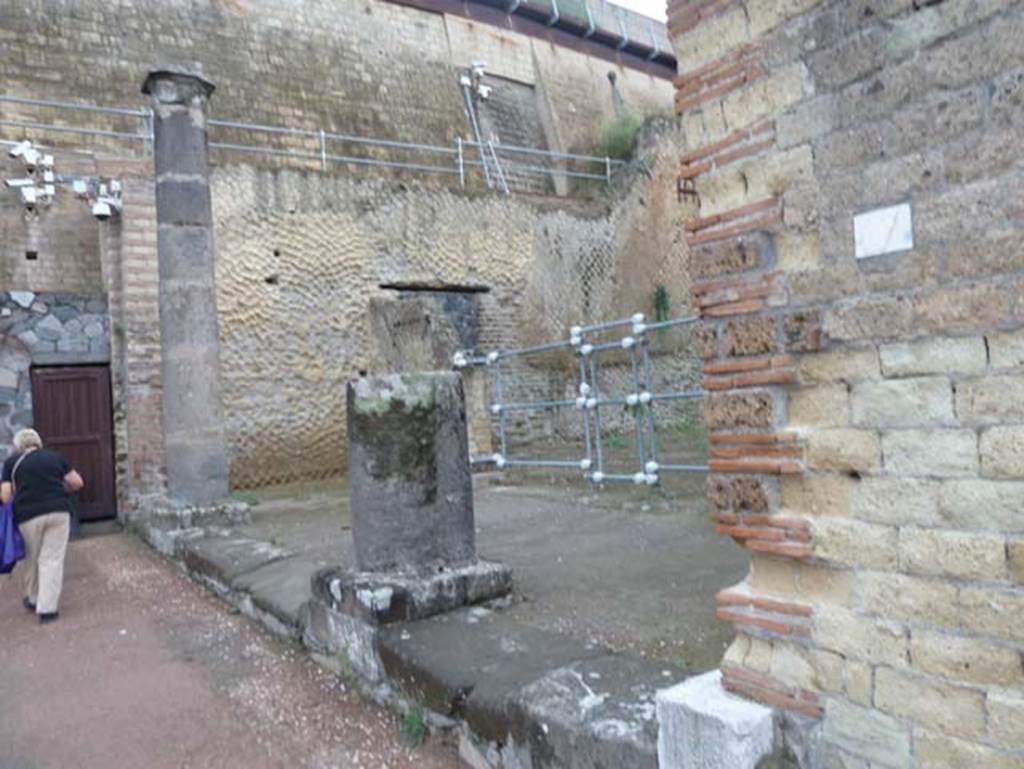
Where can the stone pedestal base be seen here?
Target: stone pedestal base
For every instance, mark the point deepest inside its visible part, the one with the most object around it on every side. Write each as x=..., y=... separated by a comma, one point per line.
x=702, y=726
x=381, y=598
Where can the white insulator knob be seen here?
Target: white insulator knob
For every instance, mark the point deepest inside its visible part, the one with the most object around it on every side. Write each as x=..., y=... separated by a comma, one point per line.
x=639, y=328
x=591, y=403
x=576, y=331
x=584, y=464
x=584, y=388
x=632, y=399
x=598, y=476
x=639, y=318
x=496, y=408
x=651, y=479
x=639, y=479
x=651, y=467
x=459, y=360
x=581, y=402
x=492, y=357
x=645, y=397
x=575, y=341
x=499, y=460
x=586, y=349
x=628, y=342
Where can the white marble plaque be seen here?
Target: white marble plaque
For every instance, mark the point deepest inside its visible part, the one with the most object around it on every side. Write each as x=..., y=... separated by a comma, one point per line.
x=883, y=231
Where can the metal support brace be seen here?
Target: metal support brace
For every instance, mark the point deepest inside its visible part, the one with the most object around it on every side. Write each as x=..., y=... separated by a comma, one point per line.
x=461, y=161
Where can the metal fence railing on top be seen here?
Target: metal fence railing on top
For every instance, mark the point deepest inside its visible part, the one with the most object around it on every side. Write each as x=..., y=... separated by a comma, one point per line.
x=312, y=148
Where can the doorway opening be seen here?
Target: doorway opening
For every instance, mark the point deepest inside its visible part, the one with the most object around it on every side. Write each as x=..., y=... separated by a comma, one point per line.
x=72, y=412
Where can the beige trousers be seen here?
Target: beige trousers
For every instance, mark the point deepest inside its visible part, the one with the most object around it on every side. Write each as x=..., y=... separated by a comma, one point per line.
x=46, y=542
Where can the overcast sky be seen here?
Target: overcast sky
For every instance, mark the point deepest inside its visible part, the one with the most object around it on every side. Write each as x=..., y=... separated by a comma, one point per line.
x=655, y=8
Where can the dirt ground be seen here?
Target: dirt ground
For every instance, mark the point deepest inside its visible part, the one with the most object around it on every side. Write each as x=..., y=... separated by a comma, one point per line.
x=145, y=669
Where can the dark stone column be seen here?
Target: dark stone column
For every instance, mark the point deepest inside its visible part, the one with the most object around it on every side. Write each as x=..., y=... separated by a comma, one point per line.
x=411, y=494
x=408, y=474
x=197, y=462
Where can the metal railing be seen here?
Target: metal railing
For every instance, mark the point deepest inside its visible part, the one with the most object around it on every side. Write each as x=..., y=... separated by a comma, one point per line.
x=640, y=399
x=321, y=149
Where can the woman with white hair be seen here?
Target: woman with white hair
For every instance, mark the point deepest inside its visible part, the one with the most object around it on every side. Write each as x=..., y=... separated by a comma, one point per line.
x=41, y=482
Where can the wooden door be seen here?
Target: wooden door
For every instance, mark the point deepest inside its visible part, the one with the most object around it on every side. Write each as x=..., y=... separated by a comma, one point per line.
x=71, y=410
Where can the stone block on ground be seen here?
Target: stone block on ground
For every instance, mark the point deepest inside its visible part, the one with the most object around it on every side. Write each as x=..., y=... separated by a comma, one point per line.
x=280, y=587
x=473, y=664
x=382, y=598
x=222, y=559
x=598, y=712
x=702, y=726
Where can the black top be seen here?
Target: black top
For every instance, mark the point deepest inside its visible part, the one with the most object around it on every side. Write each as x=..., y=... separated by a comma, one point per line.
x=39, y=484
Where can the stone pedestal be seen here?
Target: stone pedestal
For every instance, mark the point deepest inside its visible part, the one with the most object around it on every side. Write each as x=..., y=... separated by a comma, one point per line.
x=702, y=726
x=193, y=422
x=411, y=495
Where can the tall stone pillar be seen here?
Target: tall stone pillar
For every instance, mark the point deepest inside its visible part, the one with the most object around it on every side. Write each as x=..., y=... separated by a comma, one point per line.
x=411, y=494
x=197, y=464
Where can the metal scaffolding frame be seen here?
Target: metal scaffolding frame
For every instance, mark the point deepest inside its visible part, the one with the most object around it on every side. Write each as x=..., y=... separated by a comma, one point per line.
x=640, y=399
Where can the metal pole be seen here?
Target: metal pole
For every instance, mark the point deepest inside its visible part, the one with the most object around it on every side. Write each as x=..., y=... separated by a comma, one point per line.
x=498, y=169
x=471, y=110
x=607, y=170
x=637, y=416
x=597, y=414
x=147, y=130
x=461, y=162
x=586, y=417
x=649, y=385
x=323, y=150
x=499, y=397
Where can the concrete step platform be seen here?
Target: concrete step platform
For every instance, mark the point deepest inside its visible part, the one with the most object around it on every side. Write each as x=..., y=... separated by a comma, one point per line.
x=553, y=701
x=530, y=698
x=268, y=582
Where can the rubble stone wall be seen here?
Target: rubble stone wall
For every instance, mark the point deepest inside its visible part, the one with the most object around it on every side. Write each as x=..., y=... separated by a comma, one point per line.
x=866, y=413
x=301, y=255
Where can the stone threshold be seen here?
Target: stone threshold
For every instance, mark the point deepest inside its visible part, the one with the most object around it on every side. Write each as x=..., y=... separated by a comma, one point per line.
x=519, y=697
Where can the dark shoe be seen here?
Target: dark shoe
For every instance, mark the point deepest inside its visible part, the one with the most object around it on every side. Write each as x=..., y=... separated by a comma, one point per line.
x=48, y=617
x=28, y=604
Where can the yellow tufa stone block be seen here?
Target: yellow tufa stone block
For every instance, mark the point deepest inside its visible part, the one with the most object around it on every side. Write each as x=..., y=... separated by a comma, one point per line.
x=846, y=365
x=969, y=660
x=964, y=555
x=816, y=495
x=798, y=251
x=896, y=501
x=1002, y=452
x=940, y=751
x=1006, y=719
x=991, y=399
x=856, y=451
x=1006, y=349
x=848, y=542
x=863, y=638
x=826, y=405
x=950, y=709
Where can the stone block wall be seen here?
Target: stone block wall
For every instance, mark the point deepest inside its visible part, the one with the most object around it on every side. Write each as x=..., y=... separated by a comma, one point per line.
x=865, y=415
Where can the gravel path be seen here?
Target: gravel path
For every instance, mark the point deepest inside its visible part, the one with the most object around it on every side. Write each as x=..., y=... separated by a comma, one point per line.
x=145, y=669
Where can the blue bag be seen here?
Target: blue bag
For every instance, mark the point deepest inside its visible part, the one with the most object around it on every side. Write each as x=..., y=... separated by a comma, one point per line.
x=12, y=546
